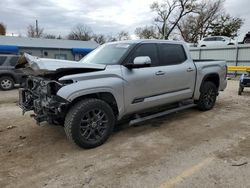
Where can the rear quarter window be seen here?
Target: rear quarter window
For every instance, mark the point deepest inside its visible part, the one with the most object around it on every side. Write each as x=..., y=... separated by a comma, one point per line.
x=171, y=54
x=2, y=59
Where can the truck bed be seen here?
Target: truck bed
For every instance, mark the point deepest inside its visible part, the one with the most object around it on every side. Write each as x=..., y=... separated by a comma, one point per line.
x=210, y=66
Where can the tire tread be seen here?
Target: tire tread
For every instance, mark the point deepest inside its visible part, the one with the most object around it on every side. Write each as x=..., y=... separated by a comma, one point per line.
x=71, y=115
x=200, y=103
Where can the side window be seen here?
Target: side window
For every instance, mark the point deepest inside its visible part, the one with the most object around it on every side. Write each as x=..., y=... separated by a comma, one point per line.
x=171, y=54
x=219, y=39
x=146, y=50
x=2, y=59
x=13, y=61
x=213, y=39
x=206, y=39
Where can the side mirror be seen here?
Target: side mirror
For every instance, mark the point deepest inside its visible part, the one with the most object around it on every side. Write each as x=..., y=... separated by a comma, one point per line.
x=139, y=62
x=142, y=60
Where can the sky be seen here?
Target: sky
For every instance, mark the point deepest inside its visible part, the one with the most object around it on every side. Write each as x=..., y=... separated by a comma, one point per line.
x=109, y=17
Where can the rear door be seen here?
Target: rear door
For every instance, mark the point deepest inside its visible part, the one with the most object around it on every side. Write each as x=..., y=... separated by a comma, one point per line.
x=177, y=80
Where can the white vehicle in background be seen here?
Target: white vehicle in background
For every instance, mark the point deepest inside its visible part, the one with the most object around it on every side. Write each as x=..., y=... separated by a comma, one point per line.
x=191, y=45
x=216, y=41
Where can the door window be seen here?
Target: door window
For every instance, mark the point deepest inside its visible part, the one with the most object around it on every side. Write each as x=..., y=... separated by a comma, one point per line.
x=207, y=39
x=171, y=54
x=219, y=39
x=149, y=50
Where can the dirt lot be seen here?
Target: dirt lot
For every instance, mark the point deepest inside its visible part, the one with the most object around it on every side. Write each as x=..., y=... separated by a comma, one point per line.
x=186, y=149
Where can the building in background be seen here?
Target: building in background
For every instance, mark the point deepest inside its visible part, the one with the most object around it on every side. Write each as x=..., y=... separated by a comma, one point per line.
x=46, y=48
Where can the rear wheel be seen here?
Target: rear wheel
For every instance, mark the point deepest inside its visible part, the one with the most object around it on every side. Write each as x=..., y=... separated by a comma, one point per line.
x=208, y=96
x=6, y=83
x=89, y=123
x=240, y=90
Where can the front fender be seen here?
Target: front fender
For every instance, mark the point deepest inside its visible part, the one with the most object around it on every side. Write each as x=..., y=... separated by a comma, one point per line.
x=85, y=87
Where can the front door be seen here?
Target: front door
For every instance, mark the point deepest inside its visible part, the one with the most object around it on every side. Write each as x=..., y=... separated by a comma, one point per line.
x=141, y=83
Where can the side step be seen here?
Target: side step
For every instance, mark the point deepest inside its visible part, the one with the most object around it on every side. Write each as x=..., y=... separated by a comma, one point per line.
x=138, y=120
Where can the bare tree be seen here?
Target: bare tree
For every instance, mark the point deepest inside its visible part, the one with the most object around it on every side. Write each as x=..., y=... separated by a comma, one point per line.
x=110, y=38
x=197, y=25
x=188, y=29
x=123, y=35
x=169, y=14
x=49, y=36
x=80, y=32
x=147, y=32
x=100, y=39
x=226, y=25
x=34, y=32
x=2, y=29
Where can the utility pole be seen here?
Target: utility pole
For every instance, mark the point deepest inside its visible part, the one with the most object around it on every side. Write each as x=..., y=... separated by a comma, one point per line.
x=36, y=29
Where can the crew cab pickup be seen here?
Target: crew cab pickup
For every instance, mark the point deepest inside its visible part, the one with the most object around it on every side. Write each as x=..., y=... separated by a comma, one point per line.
x=115, y=81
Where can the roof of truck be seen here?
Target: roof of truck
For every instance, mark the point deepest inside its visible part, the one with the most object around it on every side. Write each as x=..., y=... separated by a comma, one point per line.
x=150, y=41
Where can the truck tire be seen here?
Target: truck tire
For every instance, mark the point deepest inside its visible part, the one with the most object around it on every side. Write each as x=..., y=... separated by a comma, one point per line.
x=208, y=96
x=240, y=90
x=6, y=83
x=89, y=123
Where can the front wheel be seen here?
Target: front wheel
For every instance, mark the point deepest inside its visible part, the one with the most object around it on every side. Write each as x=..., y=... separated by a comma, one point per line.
x=208, y=96
x=89, y=123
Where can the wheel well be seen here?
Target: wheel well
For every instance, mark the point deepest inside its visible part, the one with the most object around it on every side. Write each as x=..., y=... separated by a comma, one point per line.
x=9, y=75
x=105, y=96
x=214, y=78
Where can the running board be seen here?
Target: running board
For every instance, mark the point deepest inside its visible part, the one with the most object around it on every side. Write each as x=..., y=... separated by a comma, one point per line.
x=138, y=120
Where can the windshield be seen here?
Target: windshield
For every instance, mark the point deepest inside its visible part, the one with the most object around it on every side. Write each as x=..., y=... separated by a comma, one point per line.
x=107, y=54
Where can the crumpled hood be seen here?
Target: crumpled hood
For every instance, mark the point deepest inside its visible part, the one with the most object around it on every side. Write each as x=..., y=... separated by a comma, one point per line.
x=37, y=66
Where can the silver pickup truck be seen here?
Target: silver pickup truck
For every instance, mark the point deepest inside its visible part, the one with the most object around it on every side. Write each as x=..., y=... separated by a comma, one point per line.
x=116, y=81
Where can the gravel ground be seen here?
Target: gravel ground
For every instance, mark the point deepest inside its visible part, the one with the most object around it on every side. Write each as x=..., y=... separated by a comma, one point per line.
x=186, y=149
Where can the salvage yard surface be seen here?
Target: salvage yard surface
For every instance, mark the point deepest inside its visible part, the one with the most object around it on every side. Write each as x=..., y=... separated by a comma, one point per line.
x=186, y=149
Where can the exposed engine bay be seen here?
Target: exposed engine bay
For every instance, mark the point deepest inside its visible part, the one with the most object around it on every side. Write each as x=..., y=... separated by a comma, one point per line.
x=38, y=92
x=39, y=95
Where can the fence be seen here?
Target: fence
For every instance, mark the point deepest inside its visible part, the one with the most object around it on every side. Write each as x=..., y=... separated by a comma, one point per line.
x=235, y=55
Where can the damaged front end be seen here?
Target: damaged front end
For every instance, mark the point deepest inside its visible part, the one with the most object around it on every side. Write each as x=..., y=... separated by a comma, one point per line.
x=38, y=92
x=39, y=95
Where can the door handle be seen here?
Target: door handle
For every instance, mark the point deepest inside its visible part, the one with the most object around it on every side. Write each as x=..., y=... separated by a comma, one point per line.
x=159, y=73
x=190, y=69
